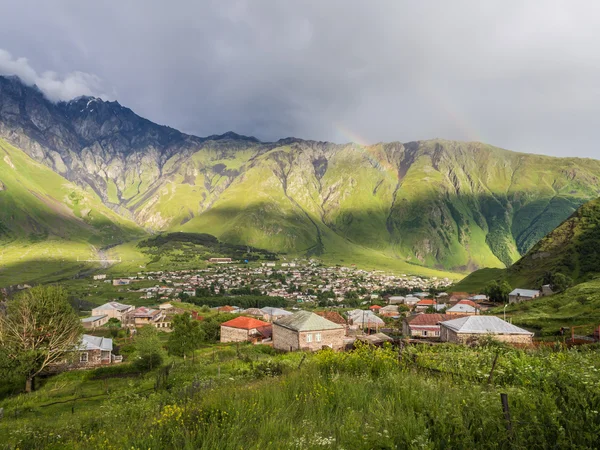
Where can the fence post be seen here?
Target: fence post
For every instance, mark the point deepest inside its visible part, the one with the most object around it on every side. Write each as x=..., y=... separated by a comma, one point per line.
x=493, y=367
x=506, y=410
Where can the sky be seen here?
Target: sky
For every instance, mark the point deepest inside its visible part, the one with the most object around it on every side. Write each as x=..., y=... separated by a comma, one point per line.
x=520, y=75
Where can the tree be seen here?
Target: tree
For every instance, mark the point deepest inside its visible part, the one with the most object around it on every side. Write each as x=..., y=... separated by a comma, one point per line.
x=186, y=337
x=114, y=325
x=557, y=281
x=150, y=353
x=38, y=330
x=498, y=291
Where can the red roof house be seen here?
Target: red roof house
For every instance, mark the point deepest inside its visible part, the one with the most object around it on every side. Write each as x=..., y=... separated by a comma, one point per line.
x=245, y=329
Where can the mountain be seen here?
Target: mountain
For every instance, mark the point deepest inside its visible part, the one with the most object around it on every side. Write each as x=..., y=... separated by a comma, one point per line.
x=572, y=249
x=440, y=204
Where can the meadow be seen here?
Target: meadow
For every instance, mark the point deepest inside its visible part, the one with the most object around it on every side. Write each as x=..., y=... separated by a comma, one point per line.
x=247, y=397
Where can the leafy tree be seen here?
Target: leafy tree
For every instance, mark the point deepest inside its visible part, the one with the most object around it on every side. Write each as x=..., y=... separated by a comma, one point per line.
x=114, y=325
x=498, y=291
x=39, y=329
x=186, y=337
x=150, y=353
x=559, y=282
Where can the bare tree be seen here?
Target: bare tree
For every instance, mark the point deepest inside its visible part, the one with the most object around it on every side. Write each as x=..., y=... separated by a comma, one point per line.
x=37, y=331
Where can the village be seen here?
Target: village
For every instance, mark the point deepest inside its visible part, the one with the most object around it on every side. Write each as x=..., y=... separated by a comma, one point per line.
x=298, y=308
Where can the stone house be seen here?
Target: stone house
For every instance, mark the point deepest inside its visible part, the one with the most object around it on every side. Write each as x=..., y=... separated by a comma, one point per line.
x=426, y=326
x=471, y=328
x=95, y=351
x=91, y=323
x=245, y=329
x=305, y=330
x=112, y=309
x=522, y=295
x=146, y=316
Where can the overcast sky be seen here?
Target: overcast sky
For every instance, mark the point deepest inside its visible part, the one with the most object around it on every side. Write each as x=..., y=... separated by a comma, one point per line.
x=521, y=75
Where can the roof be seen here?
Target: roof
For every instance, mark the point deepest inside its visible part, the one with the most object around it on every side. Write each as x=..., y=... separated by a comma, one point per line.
x=89, y=342
x=307, y=321
x=93, y=318
x=143, y=311
x=374, y=307
x=525, y=292
x=426, y=301
x=377, y=338
x=483, y=325
x=462, y=308
x=253, y=312
x=275, y=311
x=114, y=305
x=245, y=323
x=333, y=316
x=428, y=319
x=468, y=302
x=365, y=317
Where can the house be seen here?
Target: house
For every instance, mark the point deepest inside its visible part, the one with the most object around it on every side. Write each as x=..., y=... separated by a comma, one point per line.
x=389, y=311
x=145, y=316
x=91, y=323
x=95, y=351
x=396, y=300
x=469, y=328
x=305, y=330
x=112, y=309
x=100, y=277
x=423, y=305
x=521, y=295
x=227, y=309
x=377, y=339
x=333, y=316
x=375, y=308
x=465, y=308
x=245, y=329
x=220, y=260
x=547, y=290
x=165, y=306
x=456, y=296
x=271, y=314
x=121, y=282
x=364, y=319
x=255, y=312
x=411, y=301
x=424, y=325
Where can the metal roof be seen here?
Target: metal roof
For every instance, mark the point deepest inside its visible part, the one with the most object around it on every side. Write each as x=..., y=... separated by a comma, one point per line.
x=483, y=325
x=93, y=318
x=114, y=305
x=275, y=311
x=525, y=292
x=307, y=321
x=89, y=342
x=462, y=308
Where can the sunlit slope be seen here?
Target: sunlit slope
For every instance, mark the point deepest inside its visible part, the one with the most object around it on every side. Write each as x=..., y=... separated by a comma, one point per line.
x=48, y=223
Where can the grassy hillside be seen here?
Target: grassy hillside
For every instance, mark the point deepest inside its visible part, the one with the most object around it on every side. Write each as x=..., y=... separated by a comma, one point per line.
x=572, y=249
x=249, y=397
x=47, y=223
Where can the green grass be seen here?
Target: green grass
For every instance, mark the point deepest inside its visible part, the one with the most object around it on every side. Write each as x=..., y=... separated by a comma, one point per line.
x=249, y=397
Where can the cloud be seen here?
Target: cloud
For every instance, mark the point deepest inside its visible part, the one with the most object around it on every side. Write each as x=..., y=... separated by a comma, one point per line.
x=520, y=75
x=54, y=87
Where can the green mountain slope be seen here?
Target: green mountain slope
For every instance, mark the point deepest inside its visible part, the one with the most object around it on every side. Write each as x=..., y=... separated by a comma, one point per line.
x=417, y=206
x=573, y=249
x=47, y=219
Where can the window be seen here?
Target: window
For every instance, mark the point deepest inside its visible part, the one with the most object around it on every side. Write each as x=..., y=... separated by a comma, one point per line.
x=308, y=338
x=83, y=357
x=318, y=337
x=424, y=333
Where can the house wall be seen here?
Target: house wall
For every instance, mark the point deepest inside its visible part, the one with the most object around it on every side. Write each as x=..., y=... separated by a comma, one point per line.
x=94, y=359
x=519, y=298
x=95, y=324
x=285, y=339
x=230, y=334
x=448, y=335
x=329, y=338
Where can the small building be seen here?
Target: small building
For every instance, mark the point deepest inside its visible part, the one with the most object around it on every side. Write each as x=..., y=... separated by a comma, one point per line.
x=377, y=339
x=112, y=309
x=547, y=290
x=364, y=319
x=389, y=311
x=245, y=329
x=305, y=330
x=100, y=277
x=522, y=295
x=471, y=328
x=396, y=300
x=411, y=301
x=95, y=351
x=424, y=325
x=424, y=304
x=145, y=316
x=121, y=282
x=220, y=260
x=375, y=308
x=271, y=314
x=165, y=306
x=464, y=308
x=91, y=323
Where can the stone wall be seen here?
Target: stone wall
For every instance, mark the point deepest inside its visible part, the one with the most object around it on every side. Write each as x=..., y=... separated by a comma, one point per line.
x=284, y=338
x=230, y=334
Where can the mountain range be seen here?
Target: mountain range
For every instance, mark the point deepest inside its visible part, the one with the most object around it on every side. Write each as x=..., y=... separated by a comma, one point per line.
x=90, y=174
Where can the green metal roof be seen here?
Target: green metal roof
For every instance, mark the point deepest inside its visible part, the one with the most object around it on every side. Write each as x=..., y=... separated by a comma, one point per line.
x=307, y=321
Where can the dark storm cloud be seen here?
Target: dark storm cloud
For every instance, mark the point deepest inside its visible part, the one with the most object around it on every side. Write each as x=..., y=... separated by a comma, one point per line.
x=522, y=75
